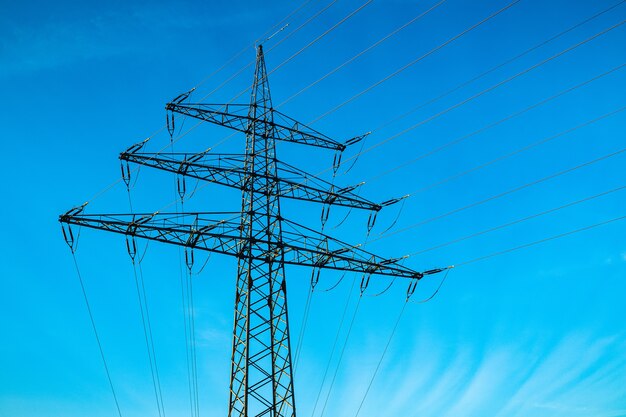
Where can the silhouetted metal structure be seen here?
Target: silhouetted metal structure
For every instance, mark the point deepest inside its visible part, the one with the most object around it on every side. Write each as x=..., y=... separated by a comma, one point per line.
x=263, y=241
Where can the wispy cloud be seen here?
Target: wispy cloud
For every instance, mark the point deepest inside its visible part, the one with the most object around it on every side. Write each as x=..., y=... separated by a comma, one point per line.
x=578, y=375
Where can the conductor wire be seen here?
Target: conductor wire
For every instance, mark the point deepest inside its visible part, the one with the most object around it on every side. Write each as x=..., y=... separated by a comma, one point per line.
x=95, y=332
x=382, y=357
x=502, y=64
x=487, y=90
x=332, y=351
x=508, y=192
x=415, y=61
x=369, y=48
x=540, y=241
x=343, y=349
x=518, y=221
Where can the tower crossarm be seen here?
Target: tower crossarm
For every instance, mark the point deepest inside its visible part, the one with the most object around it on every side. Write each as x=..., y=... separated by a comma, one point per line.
x=228, y=170
x=205, y=231
x=235, y=116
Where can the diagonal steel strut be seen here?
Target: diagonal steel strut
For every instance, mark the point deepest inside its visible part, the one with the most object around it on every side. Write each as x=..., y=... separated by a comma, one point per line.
x=206, y=231
x=228, y=170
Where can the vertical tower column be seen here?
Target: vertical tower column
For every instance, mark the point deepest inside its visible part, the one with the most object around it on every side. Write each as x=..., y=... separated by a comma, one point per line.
x=261, y=375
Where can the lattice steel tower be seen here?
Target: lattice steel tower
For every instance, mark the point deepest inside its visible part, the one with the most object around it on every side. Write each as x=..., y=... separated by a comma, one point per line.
x=261, y=381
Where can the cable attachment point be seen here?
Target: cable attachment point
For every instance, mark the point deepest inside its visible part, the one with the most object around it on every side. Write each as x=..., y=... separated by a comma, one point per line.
x=337, y=161
x=365, y=281
x=131, y=232
x=332, y=196
x=411, y=289
x=393, y=201
x=131, y=247
x=125, y=166
x=371, y=269
x=393, y=260
x=371, y=221
x=350, y=188
x=181, y=187
x=181, y=97
x=169, y=111
x=181, y=184
x=356, y=139
x=339, y=153
x=275, y=33
x=315, y=277
x=189, y=258
x=325, y=214
x=437, y=270
x=169, y=119
x=195, y=234
x=323, y=258
x=66, y=228
x=134, y=148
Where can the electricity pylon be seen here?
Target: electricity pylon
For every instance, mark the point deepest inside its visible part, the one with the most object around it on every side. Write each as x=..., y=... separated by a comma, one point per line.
x=262, y=240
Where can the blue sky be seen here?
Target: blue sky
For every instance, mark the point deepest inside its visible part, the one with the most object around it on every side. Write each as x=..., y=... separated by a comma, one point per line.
x=535, y=332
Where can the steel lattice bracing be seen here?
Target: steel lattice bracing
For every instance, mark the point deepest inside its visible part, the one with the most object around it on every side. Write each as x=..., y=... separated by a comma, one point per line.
x=261, y=382
x=261, y=379
x=228, y=170
x=212, y=232
x=285, y=129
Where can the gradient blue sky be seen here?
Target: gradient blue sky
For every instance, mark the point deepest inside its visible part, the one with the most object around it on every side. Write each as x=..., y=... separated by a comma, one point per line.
x=535, y=332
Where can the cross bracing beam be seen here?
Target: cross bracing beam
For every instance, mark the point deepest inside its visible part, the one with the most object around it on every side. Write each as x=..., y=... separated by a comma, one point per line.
x=206, y=231
x=229, y=170
x=282, y=127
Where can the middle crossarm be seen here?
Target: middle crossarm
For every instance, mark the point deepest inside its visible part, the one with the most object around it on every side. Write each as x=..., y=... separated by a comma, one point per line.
x=227, y=169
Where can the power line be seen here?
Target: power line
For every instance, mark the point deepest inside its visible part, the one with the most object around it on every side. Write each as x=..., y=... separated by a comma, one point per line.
x=500, y=65
x=148, y=338
x=505, y=193
x=485, y=91
x=369, y=48
x=493, y=87
x=332, y=351
x=95, y=331
x=481, y=130
x=537, y=242
x=518, y=151
x=518, y=221
x=309, y=20
x=326, y=32
x=238, y=54
x=249, y=64
x=192, y=321
x=496, y=123
x=490, y=256
x=364, y=91
x=145, y=315
x=343, y=349
x=305, y=320
x=415, y=61
x=311, y=43
x=192, y=375
x=382, y=357
x=500, y=158
x=304, y=48
x=482, y=92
